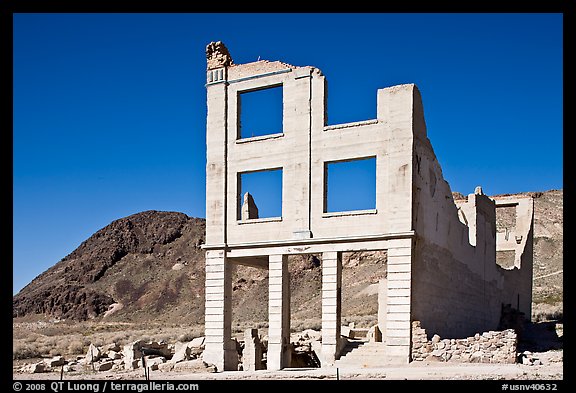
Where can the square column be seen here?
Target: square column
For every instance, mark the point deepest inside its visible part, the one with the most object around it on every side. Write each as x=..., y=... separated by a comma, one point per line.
x=278, y=356
x=331, y=306
x=397, y=332
x=218, y=315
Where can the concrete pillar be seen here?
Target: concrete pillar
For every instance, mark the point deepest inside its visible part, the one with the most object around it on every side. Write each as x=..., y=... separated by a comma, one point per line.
x=398, y=330
x=382, y=306
x=216, y=164
x=278, y=356
x=252, y=354
x=249, y=208
x=218, y=317
x=331, y=306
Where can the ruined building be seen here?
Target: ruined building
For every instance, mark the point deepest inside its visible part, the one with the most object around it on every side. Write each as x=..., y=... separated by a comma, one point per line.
x=442, y=254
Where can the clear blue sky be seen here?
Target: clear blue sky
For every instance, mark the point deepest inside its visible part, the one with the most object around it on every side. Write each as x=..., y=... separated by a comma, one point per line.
x=110, y=112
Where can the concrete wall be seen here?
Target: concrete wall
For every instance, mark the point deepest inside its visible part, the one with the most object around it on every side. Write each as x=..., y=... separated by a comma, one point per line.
x=442, y=266
x=458, y=289
x=301, y=150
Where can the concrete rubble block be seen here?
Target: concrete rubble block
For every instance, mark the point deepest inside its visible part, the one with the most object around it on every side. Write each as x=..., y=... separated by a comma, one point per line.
x=196, y=365
x=132, y=353
x=311, y=334
x=440, y=345
x=347, y=331
x=152, y=362
x=159, y=348
x=104, y=366
x=182, y=354
x=113, y=354
x=359, y=332
x=374, y=334
x=435, y=338
x=433, y=358
x=92, y=354
x=197, y=342
x=70, y=367
x=56, y=361
x=34, y=368
x=476, y=357
x=111, y=347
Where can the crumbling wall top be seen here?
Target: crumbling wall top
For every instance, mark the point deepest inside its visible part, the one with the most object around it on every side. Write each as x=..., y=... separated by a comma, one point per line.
x=217, y=55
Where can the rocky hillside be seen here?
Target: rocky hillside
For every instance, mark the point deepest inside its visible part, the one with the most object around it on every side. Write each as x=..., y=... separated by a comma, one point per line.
x=149, y=266
x=548, y=252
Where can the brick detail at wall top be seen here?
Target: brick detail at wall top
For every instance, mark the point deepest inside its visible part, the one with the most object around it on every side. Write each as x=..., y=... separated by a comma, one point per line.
x=488, y=347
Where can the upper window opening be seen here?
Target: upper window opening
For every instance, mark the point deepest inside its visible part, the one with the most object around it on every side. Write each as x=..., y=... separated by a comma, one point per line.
x=260, y=194
x=350, y=185
x=260, y=112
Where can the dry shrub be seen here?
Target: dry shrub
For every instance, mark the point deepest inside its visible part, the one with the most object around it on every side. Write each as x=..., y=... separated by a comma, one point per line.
x=75, y=347
x=24, y=351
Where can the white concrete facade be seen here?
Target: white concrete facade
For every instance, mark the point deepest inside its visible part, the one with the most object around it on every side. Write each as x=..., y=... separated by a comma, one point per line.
x=405, y=222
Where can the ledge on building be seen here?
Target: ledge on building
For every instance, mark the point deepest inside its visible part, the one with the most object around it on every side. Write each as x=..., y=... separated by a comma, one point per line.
x=260, y=138
x=259, y=220
x=352, y=124
x=350, y=213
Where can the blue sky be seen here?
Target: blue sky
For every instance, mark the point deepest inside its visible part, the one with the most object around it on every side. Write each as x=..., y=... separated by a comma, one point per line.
x=109, y=109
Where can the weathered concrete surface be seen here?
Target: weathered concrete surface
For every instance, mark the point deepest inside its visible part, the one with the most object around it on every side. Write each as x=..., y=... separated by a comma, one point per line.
x=252, y=353
x=249, y=208
x=441, y=261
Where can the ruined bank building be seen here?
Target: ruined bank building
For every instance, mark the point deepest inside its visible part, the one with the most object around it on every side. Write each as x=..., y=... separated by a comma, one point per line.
x=442, y=270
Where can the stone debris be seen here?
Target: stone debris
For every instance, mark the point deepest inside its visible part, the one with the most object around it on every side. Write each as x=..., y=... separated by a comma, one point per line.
x=182, y=354
x=92, y=355
x=197, y=342
x=157, y=355
x=132, y=354
x=33, y=368
x=195, y=365
x=488, y=347
x=374, y=334
x=306, y=348
x=104, y=366
x=187, y=351
x=153, y=361
x=114, y=355
x=352, y=332
x=111, y=347
x=56, y=361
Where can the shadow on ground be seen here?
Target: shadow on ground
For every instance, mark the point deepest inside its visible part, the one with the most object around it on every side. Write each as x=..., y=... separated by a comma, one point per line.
x=541, y=336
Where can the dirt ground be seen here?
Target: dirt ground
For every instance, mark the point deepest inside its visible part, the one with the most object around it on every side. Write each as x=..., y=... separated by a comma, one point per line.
x=551, y=369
